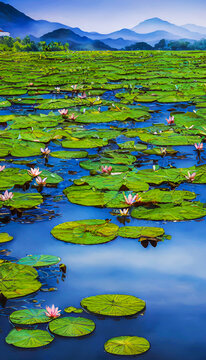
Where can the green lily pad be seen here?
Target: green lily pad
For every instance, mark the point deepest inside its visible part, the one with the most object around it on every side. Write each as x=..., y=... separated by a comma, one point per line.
x=73, y=309
x=28, y=338
x=39, y=260
x=86, y=232
x=17, y=280
x=84, y=143
x=171, y=212
x=135, y=232
x=69, y=154
x=113, y=304
x=4, y=237
x=29, y=316
x=127, y=345
x=72, y=326
x=23, y=201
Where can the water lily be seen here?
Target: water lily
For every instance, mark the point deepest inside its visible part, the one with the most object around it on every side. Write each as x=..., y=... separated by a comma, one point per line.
x=74, y=87
x=58, y=89
x=63, y=112
x=34, y=172
x=171, y=120
x=2, y=168
x=6, y=196
x=45, y=151
x=190, y=177
x=154, y=167
x=131, y=199
x=40, y=181
x=83, y=96
x=84, y=110
x=31, y=84
x=124, y=212
x=72, y=116
x=52, y=312
x=199, y=146
x=163, y=151
x=106, y=169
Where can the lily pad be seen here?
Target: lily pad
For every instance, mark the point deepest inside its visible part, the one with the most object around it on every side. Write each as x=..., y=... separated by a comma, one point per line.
x=135, y=232
x=39, y=260
x=29, y=316
x=4, y=237
x=113, y=304
x=86, y=232
x=73, y=309
x=17, y=280
x=24, y=338
x=69, y=154
x=127, y=345
x=72, y=326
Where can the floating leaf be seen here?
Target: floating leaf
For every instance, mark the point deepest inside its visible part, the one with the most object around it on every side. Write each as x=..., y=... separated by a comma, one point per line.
x=39, y=260
x=72, y=326
x=113, y=305
x=73, y=309
x=29, y=316
x=28, y=338
x=4, y=237
x=127, y=345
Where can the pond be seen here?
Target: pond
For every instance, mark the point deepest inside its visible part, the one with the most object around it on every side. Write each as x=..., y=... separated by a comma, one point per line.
x=168, y=273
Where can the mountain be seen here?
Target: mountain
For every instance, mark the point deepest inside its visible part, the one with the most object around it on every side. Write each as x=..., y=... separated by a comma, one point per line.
x=196, y=28
x=75, y=41
x=19, y=24
x=155, y=24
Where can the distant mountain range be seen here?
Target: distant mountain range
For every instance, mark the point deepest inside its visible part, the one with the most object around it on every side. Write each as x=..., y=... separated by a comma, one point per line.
x=150, y=31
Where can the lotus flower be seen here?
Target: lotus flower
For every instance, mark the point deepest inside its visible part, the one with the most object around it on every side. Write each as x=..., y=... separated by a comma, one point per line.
x=52, y=312
x=34, y=172
x=40, y=181
x=72, y=116
x=106, y=169
x=57, y=89
x=2, y=168
x=6, y=196
x=45, y=151
x=131, y=199
x=74, y=87
x=199, y=147
x=83, y=96
x=31, y=84
x=124, y=212
x=63, y=112
x=171, y=120
x=163, y=151
x=190, y=177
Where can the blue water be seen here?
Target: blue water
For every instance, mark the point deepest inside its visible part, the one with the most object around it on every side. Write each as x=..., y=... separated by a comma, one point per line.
x=170, y=277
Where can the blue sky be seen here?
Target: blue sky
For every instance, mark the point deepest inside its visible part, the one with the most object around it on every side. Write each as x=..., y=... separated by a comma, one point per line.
x=109, y=15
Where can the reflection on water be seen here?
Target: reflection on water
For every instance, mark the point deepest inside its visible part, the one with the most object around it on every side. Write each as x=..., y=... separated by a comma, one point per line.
x=169, y=277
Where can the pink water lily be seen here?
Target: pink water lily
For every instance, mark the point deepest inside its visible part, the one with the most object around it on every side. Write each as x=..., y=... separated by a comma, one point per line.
x=41, y=181
x=52, y=312
x=6, y=196
x=132, y=199
x=74, y=87
x=83, y=96
x=124, y=212
x=34, y=172
x=106, y=169
x=31, y=84
x=199, y=146
x=2, y=168
x=45, y=151
x=72, y=116
x=63, y=112
x=190, y=177
x=171, y=120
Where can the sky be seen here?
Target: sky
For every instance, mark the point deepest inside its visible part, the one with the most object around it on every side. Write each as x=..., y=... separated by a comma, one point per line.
x=110, y=15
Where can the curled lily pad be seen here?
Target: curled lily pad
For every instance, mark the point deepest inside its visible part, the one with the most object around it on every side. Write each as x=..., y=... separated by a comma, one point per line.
x=24, y=338
x=39, y=260
x=72, y=326
x=4, y=237
x=17, y=280
x=29, y=316
x=73, y=309
x=113, y=304
x=127, y=345
x=86, y=232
